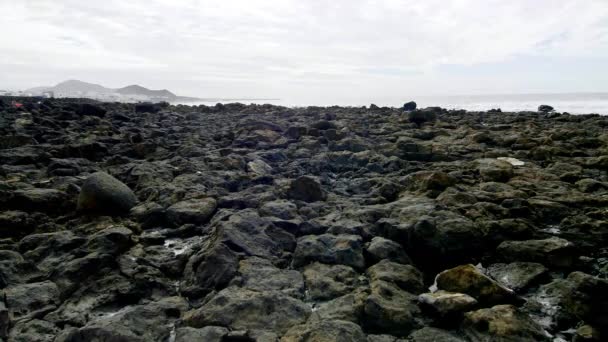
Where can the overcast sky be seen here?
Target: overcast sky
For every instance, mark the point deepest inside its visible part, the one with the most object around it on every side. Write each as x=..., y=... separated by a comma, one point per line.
x=309, y=49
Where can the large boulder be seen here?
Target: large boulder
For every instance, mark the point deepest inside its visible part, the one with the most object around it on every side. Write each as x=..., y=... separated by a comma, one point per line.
x=443, y=240
x=38, y=199
x=147, y=107
x=212, y=267
x=545, y=108
x=446, y=303
x=103, y=194
x=588, y=299
x=196, y=211
x=517, y=276
x=239, y=308
x=307, y=189
x=138, y=323
x=409, y=106
x=421, y=116
x=207, y=334
x=90, y=109
x=553, y=251
x=330, y=249
x=349, y=307
x=469, y=279
x=325, y=331
x=406, y=277
x=380, y=248
x=261, y=275
x=494, y=170
x=325, y=282
x=389, y=309
x=503, y=323
x=429, y=334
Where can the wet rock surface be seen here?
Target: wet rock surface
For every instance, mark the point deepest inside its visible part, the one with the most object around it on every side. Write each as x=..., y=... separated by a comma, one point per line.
x=122, y=222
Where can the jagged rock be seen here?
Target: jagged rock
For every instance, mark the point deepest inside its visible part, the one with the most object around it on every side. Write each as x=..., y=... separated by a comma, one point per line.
x=468, y=279
x=443, y=241
x=517, y=275
x=196, y=211
x=445, y=303
x=26, y=298
x=421, y=116
x=409, y=106
x=328, y=281
x=389, y=309
x=15, y=223
x=264, y=310
x=90, y=109
x=380, y=248
x=211, y=268
x=5, y=320
x=494, y=170
x=207, y=334
x=429, y=180
x=349, y=307
x=319, y=211
x=329, y=249
x=282, y=209
x=545, y=108
x=428, y=334
x=325, y=331
x=307, y=189
x=149, y=214
x=147, y=107
x=34, y=330
x=406, y=277
x=260, y=275
x=249, y=234
x=104, y=194
x=588, y=299
x=501, y=323
x=553, y=251
x=151, y=322
x=45, y=200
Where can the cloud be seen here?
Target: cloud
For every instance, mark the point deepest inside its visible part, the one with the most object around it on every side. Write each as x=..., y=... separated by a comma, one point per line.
x=243, y=46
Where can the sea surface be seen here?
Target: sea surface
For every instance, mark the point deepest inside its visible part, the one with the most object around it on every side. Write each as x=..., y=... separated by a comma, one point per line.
x=574, y=103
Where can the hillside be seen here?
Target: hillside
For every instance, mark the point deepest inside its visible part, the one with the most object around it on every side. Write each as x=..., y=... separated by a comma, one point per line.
x=131, y=93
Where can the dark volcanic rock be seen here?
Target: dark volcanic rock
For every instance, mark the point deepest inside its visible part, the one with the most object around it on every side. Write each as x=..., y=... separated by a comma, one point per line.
x=307, y=189
x=517, y=275
x=264, y=310
x=502, y=323
x=325, y=331
x=329, y=249
x=421, y=116
x=409, y=106
x=553, y=251
x=104, y=194
x=300, y=223
x=197, y=211
x=468, y=279
x=90, y=109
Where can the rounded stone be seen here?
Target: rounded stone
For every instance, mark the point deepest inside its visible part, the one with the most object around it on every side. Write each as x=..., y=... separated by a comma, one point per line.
x=103, y=194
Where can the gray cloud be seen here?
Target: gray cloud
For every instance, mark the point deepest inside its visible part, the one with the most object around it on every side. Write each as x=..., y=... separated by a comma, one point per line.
x=292, y=48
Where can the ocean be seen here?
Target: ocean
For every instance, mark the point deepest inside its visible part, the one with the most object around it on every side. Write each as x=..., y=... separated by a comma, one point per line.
x=573, y=103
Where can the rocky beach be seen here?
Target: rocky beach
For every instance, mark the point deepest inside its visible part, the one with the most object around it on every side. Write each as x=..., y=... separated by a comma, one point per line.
x=157, y=222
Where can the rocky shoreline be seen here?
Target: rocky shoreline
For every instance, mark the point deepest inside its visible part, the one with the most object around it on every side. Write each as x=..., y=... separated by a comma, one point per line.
x=123, y=222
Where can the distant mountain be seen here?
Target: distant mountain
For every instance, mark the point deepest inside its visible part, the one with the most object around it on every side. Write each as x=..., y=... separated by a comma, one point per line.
x=139, y=90
x=75, y=86
x=132, y=93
